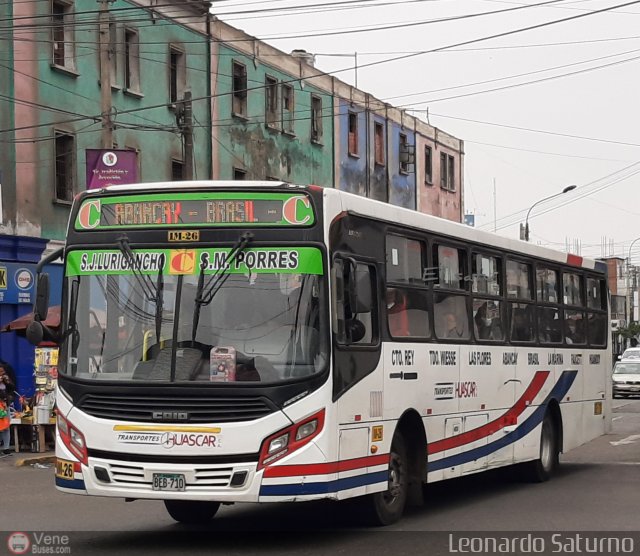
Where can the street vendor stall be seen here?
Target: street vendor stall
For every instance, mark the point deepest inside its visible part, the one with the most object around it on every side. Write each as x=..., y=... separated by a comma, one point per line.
x=32, y=418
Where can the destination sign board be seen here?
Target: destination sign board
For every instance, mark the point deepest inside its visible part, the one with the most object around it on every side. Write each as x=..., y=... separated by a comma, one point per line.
x=210, y=209
x=280, y=260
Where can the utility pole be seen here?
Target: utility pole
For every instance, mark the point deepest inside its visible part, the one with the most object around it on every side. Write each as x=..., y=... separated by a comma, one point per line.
x=188, y=136
x=105, y=75
x=184, y=119
x=495, y=206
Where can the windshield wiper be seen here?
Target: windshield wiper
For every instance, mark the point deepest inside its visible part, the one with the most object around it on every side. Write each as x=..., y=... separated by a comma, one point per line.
x=153, y=292
x=206, y=292
x=145, y=283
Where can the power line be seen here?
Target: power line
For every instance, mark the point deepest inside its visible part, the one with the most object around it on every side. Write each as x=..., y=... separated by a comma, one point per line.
x=532, y=130
x=586, y=190
x=514, y=76
x=533, y=82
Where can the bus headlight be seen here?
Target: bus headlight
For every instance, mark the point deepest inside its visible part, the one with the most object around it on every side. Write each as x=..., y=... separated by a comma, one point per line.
x=290, y=439
x=73, y=439
x=307, y=429
x=278, y=443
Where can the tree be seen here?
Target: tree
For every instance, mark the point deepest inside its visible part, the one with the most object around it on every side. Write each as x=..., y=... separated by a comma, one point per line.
x=630, y=332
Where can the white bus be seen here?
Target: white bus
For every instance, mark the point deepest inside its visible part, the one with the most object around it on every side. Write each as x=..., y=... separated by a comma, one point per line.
x=256, y=342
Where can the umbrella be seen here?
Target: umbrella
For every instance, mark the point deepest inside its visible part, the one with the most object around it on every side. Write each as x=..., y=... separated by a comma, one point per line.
x=20, y=324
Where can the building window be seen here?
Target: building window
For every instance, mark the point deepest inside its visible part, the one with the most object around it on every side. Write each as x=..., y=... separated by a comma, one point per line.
x=403, y=155
x=447, y=172
x=113, y=52
x=131, y=60
x=239, y=107
x=316, y=119
x=288, y=108
x=271, y=101
x=239, y=174
x=177, y=74
x=428, y=165
x=177, y=170
x=65, y=171
x=353, y=134
x=378, y=143
x=62, y=42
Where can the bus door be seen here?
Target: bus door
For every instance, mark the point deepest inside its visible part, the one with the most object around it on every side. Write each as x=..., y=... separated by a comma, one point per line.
x=356, y=387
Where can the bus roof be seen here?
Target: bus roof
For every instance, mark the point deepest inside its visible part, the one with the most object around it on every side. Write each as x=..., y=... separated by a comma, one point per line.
x=363, y=206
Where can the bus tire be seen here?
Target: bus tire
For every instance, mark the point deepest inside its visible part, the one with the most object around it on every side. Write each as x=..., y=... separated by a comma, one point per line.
x=387, y=507
x=191, y=511
x=542, y=469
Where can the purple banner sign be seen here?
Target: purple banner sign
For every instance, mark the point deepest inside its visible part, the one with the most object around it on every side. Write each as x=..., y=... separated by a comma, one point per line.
x=111, y=167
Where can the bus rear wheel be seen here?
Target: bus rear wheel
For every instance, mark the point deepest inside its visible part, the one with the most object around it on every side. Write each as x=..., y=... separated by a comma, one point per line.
x=546, y=465
x=387, y=507
x=191, y=511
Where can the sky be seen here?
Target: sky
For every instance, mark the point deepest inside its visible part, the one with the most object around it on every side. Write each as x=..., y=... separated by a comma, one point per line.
x=545, y=105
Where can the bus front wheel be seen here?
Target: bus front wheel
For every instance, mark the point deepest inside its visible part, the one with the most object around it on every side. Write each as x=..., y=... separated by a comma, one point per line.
x=191, y=511
x=387, y=507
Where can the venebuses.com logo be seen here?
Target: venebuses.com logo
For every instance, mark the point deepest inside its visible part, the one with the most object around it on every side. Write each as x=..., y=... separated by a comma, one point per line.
x=19, y=542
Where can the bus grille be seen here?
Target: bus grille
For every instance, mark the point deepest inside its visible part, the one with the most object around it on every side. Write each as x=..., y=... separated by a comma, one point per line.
x=134, y=476
x=192, y=409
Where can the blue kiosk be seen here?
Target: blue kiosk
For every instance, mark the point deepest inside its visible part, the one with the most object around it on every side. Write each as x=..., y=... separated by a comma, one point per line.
x=18, y=258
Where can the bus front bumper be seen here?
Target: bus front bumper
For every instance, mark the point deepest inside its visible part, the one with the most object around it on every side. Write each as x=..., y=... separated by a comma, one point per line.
x=226, y=483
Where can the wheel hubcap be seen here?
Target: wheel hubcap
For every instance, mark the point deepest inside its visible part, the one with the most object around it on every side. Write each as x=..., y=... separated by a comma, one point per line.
x=546, y=448
x=395, y=479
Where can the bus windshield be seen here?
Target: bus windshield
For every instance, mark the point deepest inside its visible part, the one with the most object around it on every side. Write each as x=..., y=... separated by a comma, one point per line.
x=195, y=316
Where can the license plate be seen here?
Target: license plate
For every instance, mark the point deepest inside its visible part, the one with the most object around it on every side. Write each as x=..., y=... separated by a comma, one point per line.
x=168, y=481
x=64, y=469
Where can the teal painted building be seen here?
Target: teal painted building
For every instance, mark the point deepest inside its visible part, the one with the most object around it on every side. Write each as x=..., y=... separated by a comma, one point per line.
x=52, y=100
x=270, y=121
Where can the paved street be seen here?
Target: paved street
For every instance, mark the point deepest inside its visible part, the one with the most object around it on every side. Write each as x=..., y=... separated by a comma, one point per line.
x=596, y=490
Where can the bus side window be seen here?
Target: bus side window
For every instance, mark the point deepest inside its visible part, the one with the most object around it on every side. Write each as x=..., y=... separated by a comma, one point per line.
x=450, y=317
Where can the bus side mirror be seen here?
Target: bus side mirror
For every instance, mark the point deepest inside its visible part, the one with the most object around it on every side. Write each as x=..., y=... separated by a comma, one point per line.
x=35, y=333
x=356, y=330
x=41, y=305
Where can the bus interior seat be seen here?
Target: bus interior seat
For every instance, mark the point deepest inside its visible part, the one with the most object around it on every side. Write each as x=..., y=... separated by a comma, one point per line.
x=188, y=362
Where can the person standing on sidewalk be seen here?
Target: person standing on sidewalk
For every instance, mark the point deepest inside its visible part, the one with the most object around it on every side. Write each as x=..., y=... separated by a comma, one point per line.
x=7, y=389
x=5, y=425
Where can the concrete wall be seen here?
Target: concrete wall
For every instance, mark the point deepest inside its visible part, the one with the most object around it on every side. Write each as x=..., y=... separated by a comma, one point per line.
x=70, y=101
x=248, y=143
x=432, y=197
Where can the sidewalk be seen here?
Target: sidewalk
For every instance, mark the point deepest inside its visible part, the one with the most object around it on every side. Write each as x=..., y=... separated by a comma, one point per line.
x=21, y=459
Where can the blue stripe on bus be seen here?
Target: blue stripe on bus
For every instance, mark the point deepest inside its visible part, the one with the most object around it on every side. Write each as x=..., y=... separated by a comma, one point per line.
x=558, y=391
x=77, y=484
x=326, y=486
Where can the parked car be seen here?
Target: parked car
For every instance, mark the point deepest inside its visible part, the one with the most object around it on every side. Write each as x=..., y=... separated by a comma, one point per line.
x=626, y=378
x=631, y=353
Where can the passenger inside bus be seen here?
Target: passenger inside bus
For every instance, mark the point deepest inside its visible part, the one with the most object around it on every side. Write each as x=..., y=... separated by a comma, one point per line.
x=481, y=323
x=521, y=324
x=454, y=330
x=407, y=313
x=397, y=313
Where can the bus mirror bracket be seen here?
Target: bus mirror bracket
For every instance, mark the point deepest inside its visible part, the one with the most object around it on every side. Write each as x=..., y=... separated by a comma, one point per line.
x=41, y=305
x=36, y=331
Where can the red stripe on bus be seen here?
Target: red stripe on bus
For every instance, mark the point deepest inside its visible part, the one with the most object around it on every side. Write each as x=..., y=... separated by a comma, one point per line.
x=508, y=419
x=326, y=468
x=574, y=260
